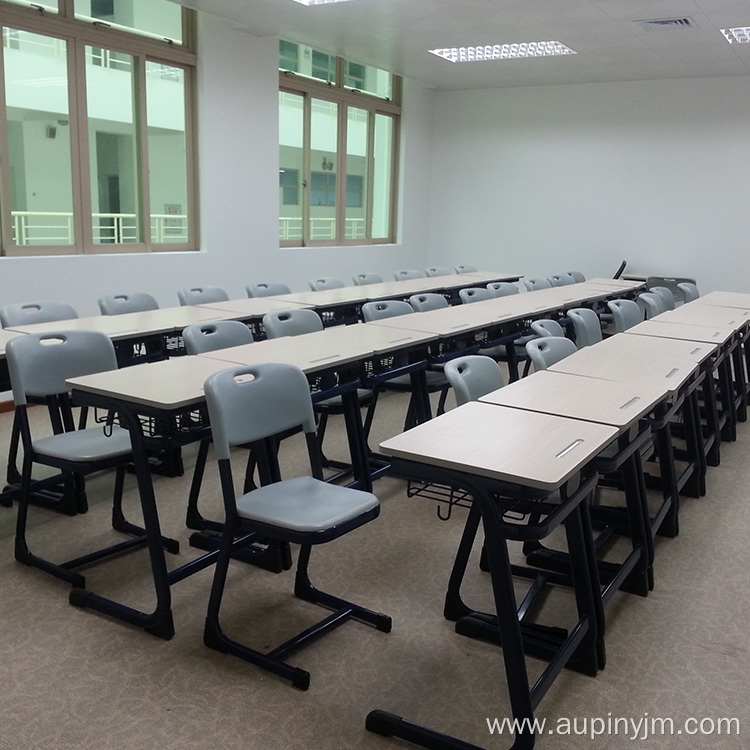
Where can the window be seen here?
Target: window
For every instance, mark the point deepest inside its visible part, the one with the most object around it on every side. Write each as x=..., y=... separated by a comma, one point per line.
x=337, y=149
x=104, y=165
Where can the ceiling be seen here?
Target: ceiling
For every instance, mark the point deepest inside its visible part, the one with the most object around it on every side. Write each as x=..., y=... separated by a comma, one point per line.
x=611, y=46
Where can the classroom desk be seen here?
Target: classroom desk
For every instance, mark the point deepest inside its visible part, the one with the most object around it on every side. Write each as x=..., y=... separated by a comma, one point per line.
x=5, y=337
x=620, y=285
x=726, y=299
x=252, y=309
x=503, y=458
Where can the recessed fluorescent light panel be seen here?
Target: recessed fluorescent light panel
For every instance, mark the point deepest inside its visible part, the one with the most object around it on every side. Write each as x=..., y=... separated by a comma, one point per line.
x=503, y=51
x=318, y=2
x=740, y=35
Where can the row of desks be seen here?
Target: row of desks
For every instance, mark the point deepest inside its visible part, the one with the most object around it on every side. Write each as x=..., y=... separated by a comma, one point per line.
x=538, y=439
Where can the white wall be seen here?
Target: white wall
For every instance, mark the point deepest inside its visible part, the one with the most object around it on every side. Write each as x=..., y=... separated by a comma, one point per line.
x=238, y=143
x=548, y=179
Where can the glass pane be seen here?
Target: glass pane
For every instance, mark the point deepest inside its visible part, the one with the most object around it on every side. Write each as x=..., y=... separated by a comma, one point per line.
x=383, y=176
x=36, y=90
x=356, y=173
x=291, y=163
x=167, y=152
x=323, y=148
x=371, y=80
x=156, y=18
x=113, y=149
x=48, y=5
x=306, y=61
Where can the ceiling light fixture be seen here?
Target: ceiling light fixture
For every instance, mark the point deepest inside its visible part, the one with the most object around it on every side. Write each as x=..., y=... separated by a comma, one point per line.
x=738, y=35
x=318, y=2
x=503, y=51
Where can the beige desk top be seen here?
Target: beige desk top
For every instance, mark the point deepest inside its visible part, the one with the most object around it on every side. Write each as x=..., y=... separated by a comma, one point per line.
x=621, y=285
x=642, y=360
x=512, y=445
x=685, y=331
x=726, y=299
x=347, y=295
x=705, y=314
x=252, y=307
x=619, y=404
x=129, y=325
x=169, y=384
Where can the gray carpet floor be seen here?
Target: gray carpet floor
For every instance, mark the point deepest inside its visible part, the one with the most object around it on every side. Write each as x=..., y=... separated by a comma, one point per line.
x=73, y=679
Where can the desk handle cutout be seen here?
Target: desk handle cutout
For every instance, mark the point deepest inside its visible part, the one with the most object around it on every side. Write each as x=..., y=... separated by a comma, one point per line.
x=697, y=350
x=323, y=359
x=674, y=371
x=630, y=403
x=572, y=446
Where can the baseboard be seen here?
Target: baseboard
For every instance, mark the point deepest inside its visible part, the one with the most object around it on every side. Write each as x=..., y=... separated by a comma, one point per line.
x=6, y=406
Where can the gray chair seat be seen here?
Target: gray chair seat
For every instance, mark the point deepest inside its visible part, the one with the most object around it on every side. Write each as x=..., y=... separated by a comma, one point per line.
x=364, y=395
x=85, y=445
x=433, y=377
x=304, y=504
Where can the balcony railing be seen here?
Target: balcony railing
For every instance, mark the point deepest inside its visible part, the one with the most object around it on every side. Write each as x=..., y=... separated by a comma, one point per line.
x=50, y=228
x=290, y=228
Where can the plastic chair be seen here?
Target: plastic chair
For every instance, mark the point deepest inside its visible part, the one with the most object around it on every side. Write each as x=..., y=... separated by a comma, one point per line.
x=297, y=322
x=475, y=294
x=473, y=377
x=251, y=404
x=546, y=327
x=533, y=284
x=267, y=289
x=362, y=279
x=407, y=273
x=561, y=279
x=625, y=313
x=502, y=288
x=201, y=295
x=386, y=308
x=437, y=271
x=586, y=325
x=465, y=268
x=428, y=301
x=578, y=277
x=652, y=304
x=118, y=304
x=325, y=282
x=666, y=294
x=220, y=334
x=689, y=291
x=545, y=352
x=28, y=313
x=39, y=365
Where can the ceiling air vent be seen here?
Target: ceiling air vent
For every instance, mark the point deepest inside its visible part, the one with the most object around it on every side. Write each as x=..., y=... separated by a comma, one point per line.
x=667, y=24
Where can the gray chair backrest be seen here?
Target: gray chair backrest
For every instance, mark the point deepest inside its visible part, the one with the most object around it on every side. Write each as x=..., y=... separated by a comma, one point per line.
x=427, y=301
x=200, y=295
x=40, y=363
x=578, y=277
x=502, y=288
x=546, y=327
x=246, y=404
x=475, y=294
x=652, y=304
x=291, y=322
x=587, y=327
x=325, y=282
x=267, y=289
x=362, y=279
x=408, y=273
x=465, y=268
x=473, y=377
x=118, y=304
x=626, y=313
x=27, y=313
x=689, y=291
x=433, y=271
x=219, y=334
x=545, y=352
x=561, y=279
x=666, y=294
x=534, y=284
x=387, y=308
x=671, y=282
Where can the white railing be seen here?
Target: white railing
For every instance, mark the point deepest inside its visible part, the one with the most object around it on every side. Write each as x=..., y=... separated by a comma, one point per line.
x=290, y=228
x=50, y=228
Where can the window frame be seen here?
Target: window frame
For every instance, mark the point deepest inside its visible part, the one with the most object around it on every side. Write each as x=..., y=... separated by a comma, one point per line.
x=311, y=88
x=77, y=35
